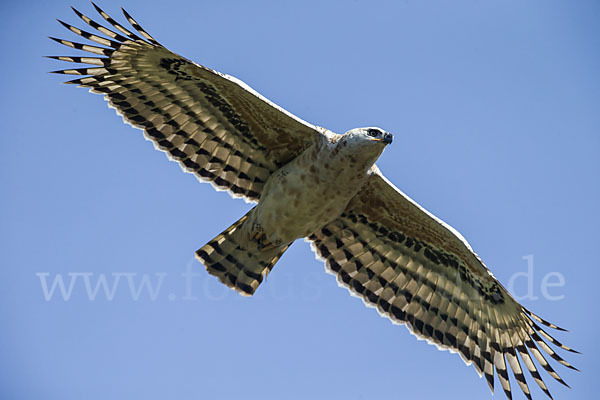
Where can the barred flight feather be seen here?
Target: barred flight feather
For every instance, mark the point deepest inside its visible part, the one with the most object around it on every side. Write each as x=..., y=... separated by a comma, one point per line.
x=446, y=297
x=213, y=125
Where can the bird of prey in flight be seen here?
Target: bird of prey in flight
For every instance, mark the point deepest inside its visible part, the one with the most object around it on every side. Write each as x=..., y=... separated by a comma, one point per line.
x=308, y=182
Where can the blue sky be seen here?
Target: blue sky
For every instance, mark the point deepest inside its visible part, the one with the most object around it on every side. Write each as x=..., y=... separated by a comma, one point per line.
x=494, y=107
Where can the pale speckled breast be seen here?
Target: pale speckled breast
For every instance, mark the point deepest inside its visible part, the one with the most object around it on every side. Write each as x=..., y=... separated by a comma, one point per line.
x=306, y=194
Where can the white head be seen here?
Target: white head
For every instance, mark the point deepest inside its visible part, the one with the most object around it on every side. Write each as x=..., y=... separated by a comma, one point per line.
x=364, y=145
x=368, y=136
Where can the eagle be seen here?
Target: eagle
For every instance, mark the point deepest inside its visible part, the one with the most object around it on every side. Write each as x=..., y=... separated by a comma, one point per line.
x=309, y=182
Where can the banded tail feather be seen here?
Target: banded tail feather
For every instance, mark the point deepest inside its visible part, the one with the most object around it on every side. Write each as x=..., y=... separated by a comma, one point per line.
x=236, y=260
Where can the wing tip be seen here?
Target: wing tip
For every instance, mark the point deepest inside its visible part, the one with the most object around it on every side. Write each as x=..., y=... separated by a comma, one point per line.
x=79, y=13
x=543, y=321
x=572, y=367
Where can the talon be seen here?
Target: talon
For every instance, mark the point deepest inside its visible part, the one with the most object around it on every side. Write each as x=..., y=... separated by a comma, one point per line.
x=257, y=232
x=265, y=246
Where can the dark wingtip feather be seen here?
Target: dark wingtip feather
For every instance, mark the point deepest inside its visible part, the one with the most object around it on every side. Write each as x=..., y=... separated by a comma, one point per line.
x=139, y=28
x=558, y=328
x=572, y=367
x=79, y=14
x=98, y=9
x=548, y=394
x=543, y=321
x=565, y=383
x=114, y=23
x=74, y=82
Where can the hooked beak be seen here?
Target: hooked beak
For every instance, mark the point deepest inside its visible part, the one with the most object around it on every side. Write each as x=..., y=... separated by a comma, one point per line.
x=387, y=138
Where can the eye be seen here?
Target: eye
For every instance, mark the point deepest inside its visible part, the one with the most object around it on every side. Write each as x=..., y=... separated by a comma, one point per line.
x=373, y=132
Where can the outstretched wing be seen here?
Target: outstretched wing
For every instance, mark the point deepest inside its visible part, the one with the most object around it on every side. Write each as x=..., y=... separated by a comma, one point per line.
x=418, y=271
x=214, y=125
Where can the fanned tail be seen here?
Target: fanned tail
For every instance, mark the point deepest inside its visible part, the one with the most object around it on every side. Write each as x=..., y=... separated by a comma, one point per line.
x=238, y=262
